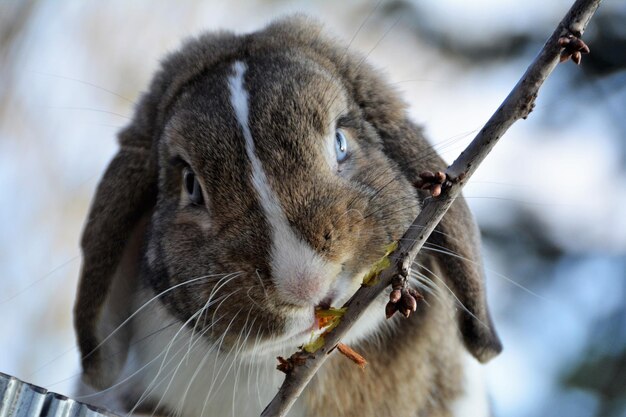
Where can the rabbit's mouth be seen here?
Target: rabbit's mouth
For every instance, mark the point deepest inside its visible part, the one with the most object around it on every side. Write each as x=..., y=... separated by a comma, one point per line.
x=302, y=325
x=298, y=330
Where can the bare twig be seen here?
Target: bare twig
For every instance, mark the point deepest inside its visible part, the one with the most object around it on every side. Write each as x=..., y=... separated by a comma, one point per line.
x=564, y=42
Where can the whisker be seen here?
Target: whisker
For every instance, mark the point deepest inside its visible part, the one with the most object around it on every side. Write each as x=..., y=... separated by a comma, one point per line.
x=144, y=305
x=198, y=369
x=171, y=372
x=362, y=60
x=85, y=83
x=217, y=287
x=176, y=369
x=89, y=109
x=444, y=251
x=37, y=281
x=344, y=55
x=151, y=386
x=254, y=354
x=216, y=374
x=454, y=296
x=425, y=284
x=238, y=356
x=256, y=271
x=77, y=375
x=203, y=310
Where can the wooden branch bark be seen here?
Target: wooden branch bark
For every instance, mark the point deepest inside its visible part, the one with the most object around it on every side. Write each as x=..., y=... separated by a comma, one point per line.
x=518, y=104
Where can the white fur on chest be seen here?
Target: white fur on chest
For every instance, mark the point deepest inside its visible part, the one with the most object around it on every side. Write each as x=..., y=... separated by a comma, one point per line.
x=180, y=371
x=175, y=369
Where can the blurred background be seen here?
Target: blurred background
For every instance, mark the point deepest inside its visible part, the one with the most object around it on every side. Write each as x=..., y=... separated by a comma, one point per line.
x=550, y=199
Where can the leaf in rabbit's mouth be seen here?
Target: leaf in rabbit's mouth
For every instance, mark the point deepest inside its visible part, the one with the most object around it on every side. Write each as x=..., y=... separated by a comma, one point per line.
x=327, y=319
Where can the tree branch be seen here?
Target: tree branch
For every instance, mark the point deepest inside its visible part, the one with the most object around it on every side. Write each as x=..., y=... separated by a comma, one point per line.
x=562, y=44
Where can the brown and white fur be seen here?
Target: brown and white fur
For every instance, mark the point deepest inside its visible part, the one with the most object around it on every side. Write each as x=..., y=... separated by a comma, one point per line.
x=228, y=215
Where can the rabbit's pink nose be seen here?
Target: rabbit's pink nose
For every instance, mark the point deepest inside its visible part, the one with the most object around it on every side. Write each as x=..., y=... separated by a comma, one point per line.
x=301, y=276
x=304, y=289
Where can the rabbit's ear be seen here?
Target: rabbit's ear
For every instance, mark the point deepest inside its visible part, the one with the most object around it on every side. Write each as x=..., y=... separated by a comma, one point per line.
x=456, y=234
x=115, y=228
x=111, y=244
x=455, y=241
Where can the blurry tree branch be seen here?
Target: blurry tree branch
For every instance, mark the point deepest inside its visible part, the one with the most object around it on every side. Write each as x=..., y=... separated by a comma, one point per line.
x=563, y=42
x=609, y=34
x=14, y=19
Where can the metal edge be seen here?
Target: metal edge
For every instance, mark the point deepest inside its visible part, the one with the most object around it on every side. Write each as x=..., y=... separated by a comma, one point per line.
x=21, y=399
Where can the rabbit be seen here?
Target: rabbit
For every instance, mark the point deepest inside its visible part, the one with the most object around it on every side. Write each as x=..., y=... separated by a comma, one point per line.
x=261, y=177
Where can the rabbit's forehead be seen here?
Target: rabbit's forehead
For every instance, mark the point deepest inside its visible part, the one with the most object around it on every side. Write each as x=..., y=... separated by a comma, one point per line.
x=293, y=93
x=292, y=107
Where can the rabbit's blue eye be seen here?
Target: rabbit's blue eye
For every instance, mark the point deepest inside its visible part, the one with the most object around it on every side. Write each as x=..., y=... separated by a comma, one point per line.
x=341, y=146
x=192, y=186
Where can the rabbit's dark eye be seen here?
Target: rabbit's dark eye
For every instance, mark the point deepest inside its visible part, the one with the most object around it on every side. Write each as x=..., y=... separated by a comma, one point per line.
x=341, y=146
x=192, y=186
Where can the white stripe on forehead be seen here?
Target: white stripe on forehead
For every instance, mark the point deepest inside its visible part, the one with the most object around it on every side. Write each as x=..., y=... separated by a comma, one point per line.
x=239, y=100
x=301, y=276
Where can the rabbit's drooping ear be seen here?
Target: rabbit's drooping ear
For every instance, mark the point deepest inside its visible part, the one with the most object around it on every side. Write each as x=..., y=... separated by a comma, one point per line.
x=121, y=208
x=456, y=243
x=456, y=237
x=111, y=245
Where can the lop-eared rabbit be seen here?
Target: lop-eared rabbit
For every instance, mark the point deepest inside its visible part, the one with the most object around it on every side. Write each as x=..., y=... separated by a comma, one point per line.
x=261, y=176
